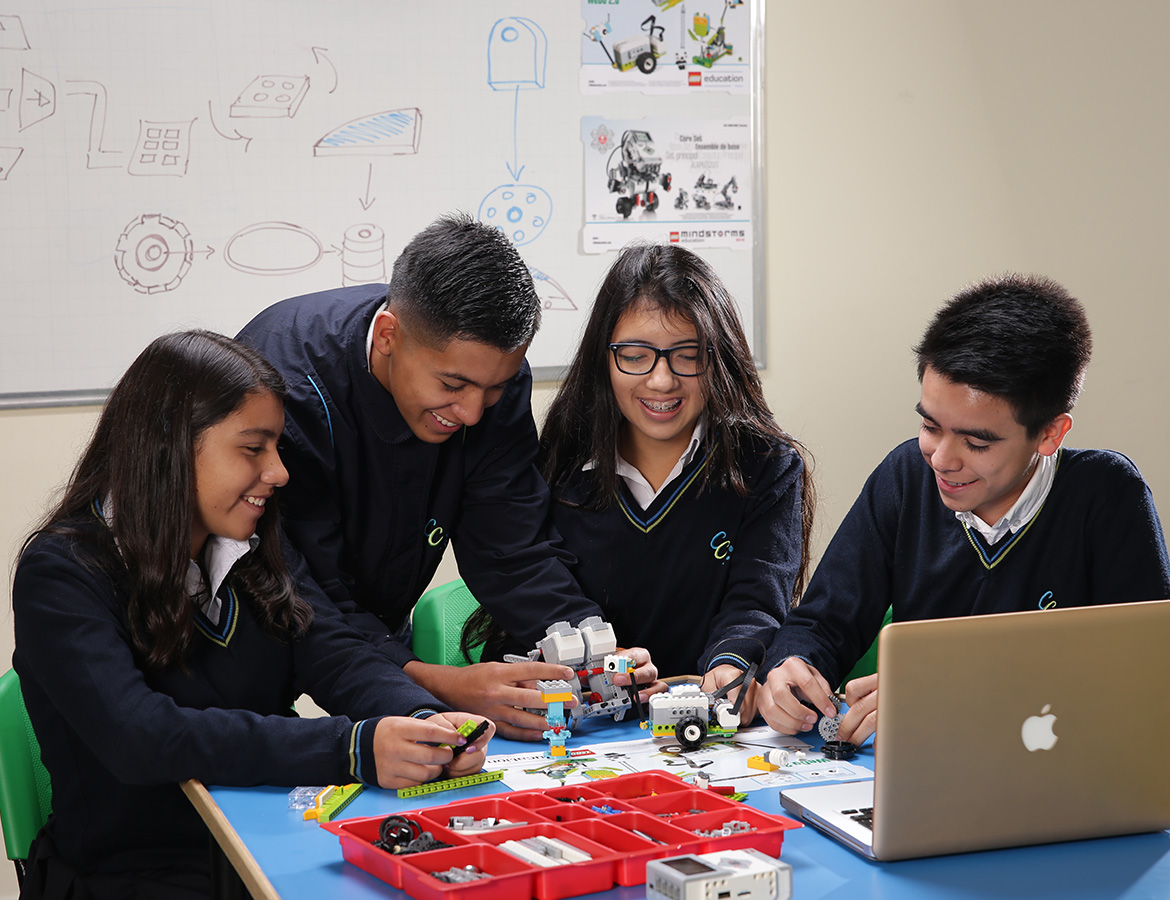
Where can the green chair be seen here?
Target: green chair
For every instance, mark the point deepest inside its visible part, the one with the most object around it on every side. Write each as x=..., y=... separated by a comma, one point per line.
x=868, y=664
x=25, y=790
x=437, y=622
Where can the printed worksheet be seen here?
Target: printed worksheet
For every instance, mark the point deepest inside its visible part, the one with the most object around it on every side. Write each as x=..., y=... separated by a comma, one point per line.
x=722, y=762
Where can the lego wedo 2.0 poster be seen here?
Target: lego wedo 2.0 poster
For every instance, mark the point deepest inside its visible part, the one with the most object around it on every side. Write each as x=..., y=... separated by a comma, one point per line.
x=667, y=180
x=665, y=46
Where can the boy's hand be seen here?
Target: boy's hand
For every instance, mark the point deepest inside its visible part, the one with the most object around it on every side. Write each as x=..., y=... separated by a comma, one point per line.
x=861, y=719
x=721, y=675
x=788, y=684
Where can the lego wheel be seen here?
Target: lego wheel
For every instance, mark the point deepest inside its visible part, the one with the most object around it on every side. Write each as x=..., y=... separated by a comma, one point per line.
x=647, y=63
x=651, y=202
x=690, y=732
x=625, y=206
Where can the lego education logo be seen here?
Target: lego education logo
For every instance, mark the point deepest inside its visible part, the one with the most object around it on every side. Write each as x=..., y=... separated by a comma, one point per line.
x=697, y=78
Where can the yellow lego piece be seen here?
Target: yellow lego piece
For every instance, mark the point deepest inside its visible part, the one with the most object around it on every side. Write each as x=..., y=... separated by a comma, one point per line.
x=758, y=762
x=331, y=801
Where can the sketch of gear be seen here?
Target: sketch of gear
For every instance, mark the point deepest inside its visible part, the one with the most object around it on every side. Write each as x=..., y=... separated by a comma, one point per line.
x=602, y=138
x=154, y=253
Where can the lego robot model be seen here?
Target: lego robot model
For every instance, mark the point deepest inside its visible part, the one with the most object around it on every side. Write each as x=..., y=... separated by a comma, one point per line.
x=692, y=715
x=717, y=47
x=590, y=650
x=642, y=50
x=633, y=169
x=732, y=187
x=555, y=694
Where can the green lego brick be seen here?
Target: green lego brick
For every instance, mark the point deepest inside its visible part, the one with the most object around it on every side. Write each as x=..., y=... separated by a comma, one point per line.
x=338, y=799
x=447, y=784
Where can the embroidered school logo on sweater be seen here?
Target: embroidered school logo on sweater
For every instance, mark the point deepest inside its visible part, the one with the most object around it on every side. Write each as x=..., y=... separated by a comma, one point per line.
x=434, y=533
x=721, y=546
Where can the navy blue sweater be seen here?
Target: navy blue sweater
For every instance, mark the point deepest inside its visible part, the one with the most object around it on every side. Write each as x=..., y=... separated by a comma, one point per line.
x=372, y=507
x=1096, y=539
x=117, y=737
x=702, y=577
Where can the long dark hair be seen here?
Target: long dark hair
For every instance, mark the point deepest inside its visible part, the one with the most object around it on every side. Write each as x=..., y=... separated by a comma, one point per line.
x=141, y=462
x=584, y=421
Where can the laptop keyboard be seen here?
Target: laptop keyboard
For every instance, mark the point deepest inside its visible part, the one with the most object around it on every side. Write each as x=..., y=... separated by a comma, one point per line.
x=863, y=816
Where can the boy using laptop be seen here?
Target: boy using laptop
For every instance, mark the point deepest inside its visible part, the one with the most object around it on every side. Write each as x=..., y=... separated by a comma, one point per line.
x=984, y=513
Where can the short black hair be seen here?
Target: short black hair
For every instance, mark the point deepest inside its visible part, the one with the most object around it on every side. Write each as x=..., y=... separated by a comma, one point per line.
x=1020, y=337
x=461, y=279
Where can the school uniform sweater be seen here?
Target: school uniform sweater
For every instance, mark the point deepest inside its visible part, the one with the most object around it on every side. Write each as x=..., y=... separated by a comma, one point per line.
x=372, y=507
x=117, y=737
x=702, y=577
x=1096, y=539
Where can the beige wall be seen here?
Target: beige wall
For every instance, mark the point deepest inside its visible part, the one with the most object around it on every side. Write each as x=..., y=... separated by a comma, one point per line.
x=913, y=146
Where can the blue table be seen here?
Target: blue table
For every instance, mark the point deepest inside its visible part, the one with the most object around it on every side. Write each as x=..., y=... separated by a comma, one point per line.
x=301, y=860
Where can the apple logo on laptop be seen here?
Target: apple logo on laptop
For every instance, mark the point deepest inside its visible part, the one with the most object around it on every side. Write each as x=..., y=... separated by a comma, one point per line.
x=1037, y=730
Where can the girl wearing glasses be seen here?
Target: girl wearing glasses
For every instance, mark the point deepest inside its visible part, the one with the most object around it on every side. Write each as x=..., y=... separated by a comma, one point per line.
x=688, y=508
x=163, y=632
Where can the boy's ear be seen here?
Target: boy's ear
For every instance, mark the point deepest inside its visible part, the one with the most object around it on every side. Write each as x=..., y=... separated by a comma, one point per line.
x=1052, y=434
x=387, y=332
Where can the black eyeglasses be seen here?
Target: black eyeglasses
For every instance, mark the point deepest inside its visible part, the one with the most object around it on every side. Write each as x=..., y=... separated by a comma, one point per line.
x=640, y=359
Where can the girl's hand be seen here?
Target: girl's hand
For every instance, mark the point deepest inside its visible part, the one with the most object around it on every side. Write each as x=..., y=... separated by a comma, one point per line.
x=407, y=751
x=470, y=759
x=645, y=673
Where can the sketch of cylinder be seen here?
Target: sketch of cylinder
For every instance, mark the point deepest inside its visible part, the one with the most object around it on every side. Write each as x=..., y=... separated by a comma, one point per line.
x=363, y=255
x=517, y=54
x=154, y=253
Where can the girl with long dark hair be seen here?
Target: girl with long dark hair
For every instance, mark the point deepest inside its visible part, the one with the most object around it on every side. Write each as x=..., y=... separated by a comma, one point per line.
x=687, y=506
x=163, y=631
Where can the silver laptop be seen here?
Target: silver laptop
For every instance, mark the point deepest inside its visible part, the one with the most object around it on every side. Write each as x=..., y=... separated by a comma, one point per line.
x=1012, y=729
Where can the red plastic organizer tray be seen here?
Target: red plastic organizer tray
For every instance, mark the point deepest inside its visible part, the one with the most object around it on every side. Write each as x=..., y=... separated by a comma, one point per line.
x=655, y=814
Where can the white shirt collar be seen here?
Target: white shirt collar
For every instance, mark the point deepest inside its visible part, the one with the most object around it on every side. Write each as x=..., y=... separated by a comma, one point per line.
x=643, y=493
x=219, y=555
x=1022, y=511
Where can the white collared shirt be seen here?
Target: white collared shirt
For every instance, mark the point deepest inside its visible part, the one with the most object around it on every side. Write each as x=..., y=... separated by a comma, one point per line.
x=1026, y=505
x=643, y=493
x=219, y=555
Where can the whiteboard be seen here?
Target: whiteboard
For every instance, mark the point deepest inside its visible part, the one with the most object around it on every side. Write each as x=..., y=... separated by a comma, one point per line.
x=186, y=164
